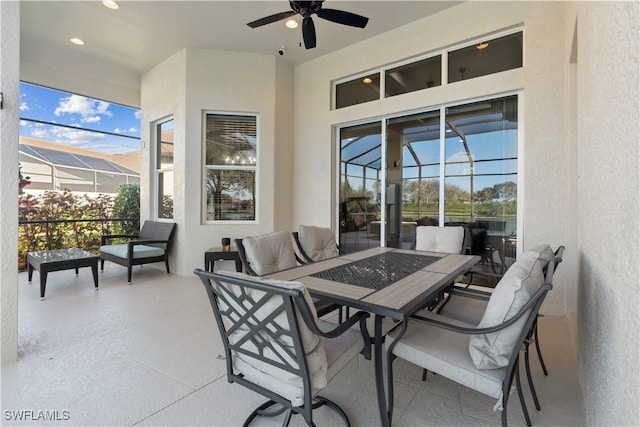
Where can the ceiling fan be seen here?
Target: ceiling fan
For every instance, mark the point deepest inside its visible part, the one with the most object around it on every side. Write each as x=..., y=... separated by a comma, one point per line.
x=308, y=8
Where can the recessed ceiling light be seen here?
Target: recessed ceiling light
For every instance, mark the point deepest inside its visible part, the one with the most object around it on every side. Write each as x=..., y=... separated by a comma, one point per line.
x=111, y=4
x=292, y=23
x=367, y=80
x=482, y=45
x=77, y=41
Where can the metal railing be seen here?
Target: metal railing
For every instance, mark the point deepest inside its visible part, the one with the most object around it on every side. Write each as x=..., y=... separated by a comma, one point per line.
x=38, y=235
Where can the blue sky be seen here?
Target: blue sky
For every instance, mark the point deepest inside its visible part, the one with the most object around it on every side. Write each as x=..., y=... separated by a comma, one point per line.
x=84, y=115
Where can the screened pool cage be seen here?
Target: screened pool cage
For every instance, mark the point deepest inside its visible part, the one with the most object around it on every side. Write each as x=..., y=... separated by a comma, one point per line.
x=57, y=170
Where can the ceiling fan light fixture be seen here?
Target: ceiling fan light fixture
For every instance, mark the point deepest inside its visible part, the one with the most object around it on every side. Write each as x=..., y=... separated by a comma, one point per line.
x=77, y=41
x=482, y=46
x=292, y=23
x=111, y=4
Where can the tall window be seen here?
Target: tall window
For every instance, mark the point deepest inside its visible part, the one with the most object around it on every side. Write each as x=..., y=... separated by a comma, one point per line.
x=164, y=169
x=230, y=167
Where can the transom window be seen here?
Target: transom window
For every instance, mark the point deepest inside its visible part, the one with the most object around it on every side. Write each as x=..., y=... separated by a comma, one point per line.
x=478, y=58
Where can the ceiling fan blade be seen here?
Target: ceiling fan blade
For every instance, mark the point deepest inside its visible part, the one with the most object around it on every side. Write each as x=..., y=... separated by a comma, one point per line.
x=271, y=18
x=308, y=33
x=342, y=17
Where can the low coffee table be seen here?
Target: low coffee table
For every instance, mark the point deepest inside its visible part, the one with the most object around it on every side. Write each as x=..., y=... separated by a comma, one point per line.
x=61, y=259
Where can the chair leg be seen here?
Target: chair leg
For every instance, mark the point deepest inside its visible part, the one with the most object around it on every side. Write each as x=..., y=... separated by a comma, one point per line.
x=260, y=411
x=527, y=366
x=535, y=334
x=424, y=375
x=102, y=265
x=129, y=268
x=319, y=401
x=166, y=262
x=520, y=396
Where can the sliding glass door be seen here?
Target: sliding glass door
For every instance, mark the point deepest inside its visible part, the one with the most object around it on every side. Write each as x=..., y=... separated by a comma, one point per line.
x=455, y=165
x=360, y=182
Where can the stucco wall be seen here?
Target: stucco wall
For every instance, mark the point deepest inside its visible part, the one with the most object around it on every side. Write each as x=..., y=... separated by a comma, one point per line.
x=222, y=82
x=9, y=82
x=541, y=81
x=608, y=184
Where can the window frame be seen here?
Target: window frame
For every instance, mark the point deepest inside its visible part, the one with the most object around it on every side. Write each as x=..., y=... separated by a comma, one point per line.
x=157, y=169
x=383, y=120
x=205, y=168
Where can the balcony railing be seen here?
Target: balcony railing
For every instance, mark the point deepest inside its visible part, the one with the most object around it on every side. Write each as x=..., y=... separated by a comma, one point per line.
x=38, y=235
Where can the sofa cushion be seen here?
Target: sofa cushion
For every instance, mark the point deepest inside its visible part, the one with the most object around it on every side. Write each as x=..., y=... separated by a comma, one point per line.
x=286, y=384
x=269, y=253
x=513, y=291
x=139, y=251
x=317, y=242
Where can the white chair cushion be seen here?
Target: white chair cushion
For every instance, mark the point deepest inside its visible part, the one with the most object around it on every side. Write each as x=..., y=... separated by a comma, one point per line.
x=284, y=383
x=317, y=242
x=446, y=353
x=139, y=251
x=545, y=254
x=513, y=291
x=439, y=239
x=468, y=310
x=269, y=253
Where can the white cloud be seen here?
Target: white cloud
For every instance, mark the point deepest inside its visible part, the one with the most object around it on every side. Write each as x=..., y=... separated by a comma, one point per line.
x=138, y=114
x=39, y=133
x=24, y=106
x=133, y=130
x=88, y=108
x=76, y=137
x=24, y=123
x=117, y=130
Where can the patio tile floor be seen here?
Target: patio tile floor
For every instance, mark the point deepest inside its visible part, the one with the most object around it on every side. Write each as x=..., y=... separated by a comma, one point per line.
x=146, y=354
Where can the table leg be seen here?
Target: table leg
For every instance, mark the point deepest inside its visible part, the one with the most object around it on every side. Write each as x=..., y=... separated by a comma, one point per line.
x=377, y=351
x=30, y=270
x=94, y=270
x=43, y=282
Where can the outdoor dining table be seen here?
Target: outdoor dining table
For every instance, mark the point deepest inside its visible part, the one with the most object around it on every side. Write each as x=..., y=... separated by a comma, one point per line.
x=385, y=282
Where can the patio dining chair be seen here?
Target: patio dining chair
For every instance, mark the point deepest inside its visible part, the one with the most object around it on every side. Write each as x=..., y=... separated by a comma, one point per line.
x=439, y=239
x=468, y=303
x=448, y=239
x=315, y=243
x=275, y=344
x=269, y=253
x=483, y=357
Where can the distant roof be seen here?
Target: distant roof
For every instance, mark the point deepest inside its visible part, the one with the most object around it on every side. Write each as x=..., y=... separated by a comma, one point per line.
x=61, y=158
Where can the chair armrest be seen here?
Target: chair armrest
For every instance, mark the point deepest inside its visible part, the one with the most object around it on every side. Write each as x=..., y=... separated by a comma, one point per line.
x=463, y=291
x=361, y=316
x=105, y=237
x=473, y=331
x=146, y=241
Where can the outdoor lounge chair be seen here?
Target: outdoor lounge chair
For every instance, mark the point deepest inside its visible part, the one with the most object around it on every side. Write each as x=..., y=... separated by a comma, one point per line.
x=152, y=244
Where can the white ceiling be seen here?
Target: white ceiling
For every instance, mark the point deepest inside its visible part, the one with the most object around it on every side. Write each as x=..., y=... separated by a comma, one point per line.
x=125, y=43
